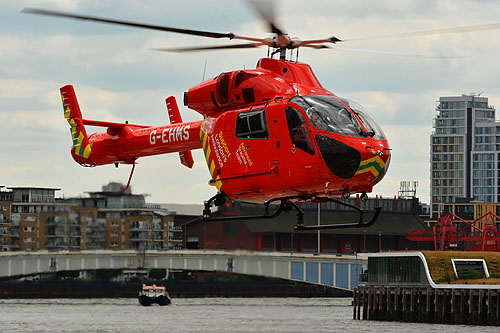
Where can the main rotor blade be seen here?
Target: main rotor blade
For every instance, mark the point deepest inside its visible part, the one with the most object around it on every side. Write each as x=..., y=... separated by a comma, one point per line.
x=467, y=28
x=266, y=8
x=315, y=46
x=332, y=39
x=201, y=48
x=127, y=23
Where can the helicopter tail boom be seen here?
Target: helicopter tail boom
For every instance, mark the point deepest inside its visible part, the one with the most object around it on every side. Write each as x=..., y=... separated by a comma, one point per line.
x=124, y=142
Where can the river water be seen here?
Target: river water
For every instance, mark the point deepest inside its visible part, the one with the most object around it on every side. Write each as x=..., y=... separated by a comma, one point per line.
x=200, y=315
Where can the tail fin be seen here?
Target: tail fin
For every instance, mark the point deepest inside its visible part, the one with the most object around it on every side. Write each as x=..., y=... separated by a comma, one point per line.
x=175, y=118
x=73, y=115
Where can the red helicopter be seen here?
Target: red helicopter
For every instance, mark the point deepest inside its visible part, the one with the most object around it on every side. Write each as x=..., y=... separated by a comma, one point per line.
x=272, y=134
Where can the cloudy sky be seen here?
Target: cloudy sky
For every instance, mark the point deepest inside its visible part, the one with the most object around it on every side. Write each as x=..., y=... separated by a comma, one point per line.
x=117, y=77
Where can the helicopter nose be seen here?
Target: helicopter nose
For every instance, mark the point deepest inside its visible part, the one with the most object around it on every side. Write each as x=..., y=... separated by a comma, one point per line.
x=375, y=160
x=342, y=160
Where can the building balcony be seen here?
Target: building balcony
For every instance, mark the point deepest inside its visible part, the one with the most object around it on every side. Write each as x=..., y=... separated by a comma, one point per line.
x=56, y=235
x=140, y=229
x=56, y=245
x=140, y=246
x=140, y=239
x=96, y=235
x=174, y=228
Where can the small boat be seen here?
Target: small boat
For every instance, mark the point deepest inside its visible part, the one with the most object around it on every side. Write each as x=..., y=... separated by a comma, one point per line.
x=154, y=294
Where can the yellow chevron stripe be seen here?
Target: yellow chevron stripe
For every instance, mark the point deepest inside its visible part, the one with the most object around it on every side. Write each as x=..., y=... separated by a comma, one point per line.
x=208, y=154
x=373, y=159
x=371, y=169
x=209, y=150
x=80, y=139
x=218, y=183
x=79, y=144
x=87, y=151
x=205, y=139
x=67, y=113
x=212, y=168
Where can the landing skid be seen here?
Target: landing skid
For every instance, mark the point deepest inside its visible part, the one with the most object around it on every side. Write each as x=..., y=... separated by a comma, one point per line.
x=220, y=199
x=286, y=204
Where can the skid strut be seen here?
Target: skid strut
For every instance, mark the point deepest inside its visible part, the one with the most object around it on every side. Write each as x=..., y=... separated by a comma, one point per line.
x=220, y=198
x=359, y=224
x=286, y=204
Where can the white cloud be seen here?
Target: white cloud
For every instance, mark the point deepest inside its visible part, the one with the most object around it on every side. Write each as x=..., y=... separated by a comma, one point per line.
x=116, y=78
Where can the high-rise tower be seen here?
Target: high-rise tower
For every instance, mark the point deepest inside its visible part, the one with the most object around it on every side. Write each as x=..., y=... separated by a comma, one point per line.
x=465, y=149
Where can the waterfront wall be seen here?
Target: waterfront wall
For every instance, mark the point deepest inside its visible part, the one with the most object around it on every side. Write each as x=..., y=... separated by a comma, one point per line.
x=426, y=304
x=176, y=289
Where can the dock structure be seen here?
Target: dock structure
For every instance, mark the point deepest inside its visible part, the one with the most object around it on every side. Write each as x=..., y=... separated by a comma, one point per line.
x=428, y=305
x=398, y=287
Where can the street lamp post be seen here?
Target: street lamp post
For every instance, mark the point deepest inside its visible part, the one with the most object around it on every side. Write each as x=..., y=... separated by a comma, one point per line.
x=319, y=222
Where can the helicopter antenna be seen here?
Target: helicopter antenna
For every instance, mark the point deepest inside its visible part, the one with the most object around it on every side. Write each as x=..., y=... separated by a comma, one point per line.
x=204, y=70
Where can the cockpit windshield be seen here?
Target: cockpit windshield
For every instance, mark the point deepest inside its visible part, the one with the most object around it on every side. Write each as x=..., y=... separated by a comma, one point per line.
x=337, y=115
x=367, y=120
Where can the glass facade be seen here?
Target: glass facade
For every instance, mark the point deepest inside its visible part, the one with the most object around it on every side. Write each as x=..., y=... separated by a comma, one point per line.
x=398, y=270
x=464, y=146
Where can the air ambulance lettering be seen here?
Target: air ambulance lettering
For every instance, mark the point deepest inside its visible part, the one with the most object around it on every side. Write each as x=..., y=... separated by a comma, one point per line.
x=224, y=144
x=152, y=137
x=185, y=132
x=175, y=134
x=219, y=148
x=216, y=149
x=242, y=155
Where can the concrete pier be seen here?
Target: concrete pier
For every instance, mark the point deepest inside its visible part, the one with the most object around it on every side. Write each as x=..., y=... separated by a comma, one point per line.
x=398, y=287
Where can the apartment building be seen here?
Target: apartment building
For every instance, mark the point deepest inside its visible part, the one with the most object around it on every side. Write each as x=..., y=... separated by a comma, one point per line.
x=34, y=219
x=465, y=151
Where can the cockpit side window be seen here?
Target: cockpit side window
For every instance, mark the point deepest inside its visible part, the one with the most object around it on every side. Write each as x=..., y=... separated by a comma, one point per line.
x=297, y=128
x=252, y=125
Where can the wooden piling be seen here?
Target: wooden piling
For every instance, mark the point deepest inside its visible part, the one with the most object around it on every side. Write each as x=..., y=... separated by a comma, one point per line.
x=425, y=304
